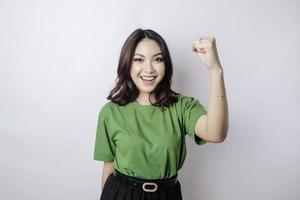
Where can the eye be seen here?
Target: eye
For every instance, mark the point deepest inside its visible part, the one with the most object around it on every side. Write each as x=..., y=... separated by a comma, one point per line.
x=138, y=60
x=159, y=59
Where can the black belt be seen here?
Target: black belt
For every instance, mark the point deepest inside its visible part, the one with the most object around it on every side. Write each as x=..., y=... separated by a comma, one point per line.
x=155, y=184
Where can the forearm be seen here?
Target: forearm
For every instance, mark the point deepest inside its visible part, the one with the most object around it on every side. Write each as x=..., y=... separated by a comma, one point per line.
x=104, y=178
x=217, y=114
x=108, y=168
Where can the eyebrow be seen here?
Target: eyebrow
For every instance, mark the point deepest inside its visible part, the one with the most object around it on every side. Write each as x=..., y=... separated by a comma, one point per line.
x=144, y=56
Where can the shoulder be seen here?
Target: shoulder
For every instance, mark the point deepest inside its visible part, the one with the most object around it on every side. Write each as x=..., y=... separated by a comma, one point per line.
x=185, y=99
x=188, y=103
x=107, y=108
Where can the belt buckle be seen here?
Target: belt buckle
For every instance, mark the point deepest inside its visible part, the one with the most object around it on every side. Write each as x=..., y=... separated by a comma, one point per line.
x=149, y=190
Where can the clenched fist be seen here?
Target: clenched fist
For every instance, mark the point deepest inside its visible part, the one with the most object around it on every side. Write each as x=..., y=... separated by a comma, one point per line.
x=206, y=49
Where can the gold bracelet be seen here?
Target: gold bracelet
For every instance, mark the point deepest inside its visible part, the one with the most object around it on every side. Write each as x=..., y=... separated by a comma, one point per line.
x=219, y=96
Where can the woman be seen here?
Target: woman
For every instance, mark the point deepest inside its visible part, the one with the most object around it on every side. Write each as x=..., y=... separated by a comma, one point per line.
x=141, y=130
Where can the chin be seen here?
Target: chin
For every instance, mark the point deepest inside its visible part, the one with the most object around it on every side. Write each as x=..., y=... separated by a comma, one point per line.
x=146, y=90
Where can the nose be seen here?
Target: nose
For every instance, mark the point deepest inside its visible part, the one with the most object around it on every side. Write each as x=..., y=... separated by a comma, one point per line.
x=149, y=67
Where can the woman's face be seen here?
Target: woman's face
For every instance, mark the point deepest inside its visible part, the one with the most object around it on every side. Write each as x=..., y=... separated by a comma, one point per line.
x=148, y=67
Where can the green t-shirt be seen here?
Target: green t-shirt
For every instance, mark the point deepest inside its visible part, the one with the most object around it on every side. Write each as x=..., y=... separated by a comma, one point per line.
x=145, y=142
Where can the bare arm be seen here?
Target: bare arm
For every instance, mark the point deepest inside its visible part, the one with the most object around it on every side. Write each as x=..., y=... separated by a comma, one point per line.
x=108, y=168
x=213, y=126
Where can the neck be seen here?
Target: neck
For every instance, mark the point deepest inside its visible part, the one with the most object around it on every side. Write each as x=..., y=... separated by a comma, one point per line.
x=144, y=99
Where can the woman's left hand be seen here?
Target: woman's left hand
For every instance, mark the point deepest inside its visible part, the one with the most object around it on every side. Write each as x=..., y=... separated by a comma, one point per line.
x=206, y=49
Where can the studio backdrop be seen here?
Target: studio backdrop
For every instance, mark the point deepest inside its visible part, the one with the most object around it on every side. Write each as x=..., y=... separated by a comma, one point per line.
x=58, y=61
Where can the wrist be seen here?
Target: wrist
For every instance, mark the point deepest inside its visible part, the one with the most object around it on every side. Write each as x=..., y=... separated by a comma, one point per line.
x=216, y=71
x=215, y=68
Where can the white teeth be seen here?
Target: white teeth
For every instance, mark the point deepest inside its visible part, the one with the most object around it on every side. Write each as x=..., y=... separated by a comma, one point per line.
x=149, y=78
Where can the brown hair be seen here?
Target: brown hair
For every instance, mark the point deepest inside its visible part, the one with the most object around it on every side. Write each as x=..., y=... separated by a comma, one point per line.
x=125, y=90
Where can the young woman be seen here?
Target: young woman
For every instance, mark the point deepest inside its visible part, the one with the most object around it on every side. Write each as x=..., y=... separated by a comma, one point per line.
x=141, y=130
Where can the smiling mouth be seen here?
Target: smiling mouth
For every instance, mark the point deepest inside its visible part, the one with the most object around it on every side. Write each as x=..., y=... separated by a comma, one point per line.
x=148, y=80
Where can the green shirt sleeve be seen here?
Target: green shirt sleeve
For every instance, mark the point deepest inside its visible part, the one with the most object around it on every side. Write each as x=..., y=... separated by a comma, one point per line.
x=192, y=110
x=105, y=147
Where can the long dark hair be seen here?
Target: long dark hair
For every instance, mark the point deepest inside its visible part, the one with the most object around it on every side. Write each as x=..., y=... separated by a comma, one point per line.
x=125, y=90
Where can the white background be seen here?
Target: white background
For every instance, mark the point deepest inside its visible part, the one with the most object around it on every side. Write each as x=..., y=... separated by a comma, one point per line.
x=58, y=61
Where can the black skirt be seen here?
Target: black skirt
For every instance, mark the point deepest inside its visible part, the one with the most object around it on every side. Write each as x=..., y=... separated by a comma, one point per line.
x=119, y=186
